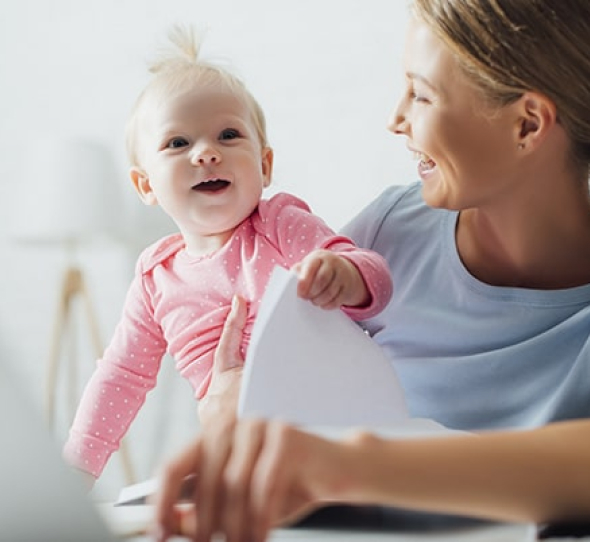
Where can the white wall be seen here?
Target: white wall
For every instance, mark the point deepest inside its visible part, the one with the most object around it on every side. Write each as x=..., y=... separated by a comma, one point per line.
x=327, y=72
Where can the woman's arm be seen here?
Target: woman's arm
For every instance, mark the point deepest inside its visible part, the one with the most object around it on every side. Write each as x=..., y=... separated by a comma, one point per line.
x=253, y=475
x=537, y=475
x=265, y=473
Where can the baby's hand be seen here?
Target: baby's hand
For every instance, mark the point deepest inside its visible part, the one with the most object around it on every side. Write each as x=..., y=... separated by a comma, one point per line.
x=330, y=281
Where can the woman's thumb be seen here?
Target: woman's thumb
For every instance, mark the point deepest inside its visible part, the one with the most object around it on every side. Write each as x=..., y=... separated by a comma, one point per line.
x=227, y=355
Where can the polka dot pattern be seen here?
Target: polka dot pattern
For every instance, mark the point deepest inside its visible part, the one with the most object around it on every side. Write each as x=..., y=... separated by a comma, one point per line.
x=179, y=304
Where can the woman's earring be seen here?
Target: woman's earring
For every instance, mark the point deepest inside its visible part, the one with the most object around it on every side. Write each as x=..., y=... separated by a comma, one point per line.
x=521, y=145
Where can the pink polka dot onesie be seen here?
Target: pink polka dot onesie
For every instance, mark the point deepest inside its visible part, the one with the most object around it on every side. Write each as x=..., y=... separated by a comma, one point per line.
x=178, y=304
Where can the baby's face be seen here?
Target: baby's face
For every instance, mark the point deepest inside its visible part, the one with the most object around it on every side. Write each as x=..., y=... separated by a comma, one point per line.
x=203, y=161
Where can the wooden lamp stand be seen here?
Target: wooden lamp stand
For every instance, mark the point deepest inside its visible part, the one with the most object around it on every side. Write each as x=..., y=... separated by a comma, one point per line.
x=74, y=287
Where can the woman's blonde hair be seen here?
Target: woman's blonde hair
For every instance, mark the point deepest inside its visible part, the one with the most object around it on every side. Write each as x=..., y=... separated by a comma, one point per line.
x=180, y=68
x=508, y=47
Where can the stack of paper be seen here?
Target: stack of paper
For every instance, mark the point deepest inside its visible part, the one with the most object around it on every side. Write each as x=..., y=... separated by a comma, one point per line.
x=315, y=367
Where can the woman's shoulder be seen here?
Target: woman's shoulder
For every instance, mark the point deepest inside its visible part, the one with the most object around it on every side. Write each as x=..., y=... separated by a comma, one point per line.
x=398, y=198
x=396, y=205
x=401, y=197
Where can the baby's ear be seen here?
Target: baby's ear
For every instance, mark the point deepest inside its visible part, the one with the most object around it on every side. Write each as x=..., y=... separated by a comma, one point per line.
x=267, y=160
x=142, y=185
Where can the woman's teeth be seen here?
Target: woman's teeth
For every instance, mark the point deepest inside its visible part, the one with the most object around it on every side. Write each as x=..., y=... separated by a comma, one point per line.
x=424, y=160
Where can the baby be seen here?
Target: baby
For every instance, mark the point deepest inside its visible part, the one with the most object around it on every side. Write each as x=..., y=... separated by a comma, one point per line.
x=198, y=148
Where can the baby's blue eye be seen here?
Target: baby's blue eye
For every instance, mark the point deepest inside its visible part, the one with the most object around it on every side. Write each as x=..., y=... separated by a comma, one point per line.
x=176, y=143
x=229, y=134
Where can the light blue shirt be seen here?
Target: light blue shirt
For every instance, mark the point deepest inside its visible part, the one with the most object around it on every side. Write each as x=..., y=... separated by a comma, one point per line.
x=471, y=355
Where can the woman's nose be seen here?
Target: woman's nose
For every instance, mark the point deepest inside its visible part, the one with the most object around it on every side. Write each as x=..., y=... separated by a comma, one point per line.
x=398, y=121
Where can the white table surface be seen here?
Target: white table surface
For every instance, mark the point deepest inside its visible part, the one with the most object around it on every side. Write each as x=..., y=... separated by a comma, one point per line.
x=129, y=523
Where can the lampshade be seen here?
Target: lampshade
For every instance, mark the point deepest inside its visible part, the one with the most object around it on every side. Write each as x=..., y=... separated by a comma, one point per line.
x=68, y=193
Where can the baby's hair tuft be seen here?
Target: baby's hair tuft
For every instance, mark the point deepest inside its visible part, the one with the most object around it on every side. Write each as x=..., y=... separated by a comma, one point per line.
x=184, y=48
x=178, y=68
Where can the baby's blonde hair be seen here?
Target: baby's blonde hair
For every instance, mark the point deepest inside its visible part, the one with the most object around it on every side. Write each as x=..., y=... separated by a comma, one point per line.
x=180, y=68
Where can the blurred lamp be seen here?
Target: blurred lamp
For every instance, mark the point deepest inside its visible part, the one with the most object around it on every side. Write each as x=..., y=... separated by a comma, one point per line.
x=69, y=195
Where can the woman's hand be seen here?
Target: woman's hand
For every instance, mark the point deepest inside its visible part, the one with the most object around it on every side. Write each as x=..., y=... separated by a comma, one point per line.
x=253, y=477
x=219, y=406
x=248, y=475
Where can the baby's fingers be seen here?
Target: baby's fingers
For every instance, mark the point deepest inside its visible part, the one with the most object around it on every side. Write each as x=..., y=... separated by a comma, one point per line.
x=306, y=271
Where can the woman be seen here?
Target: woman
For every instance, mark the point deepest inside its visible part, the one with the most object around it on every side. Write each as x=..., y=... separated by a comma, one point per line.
x=489, y=323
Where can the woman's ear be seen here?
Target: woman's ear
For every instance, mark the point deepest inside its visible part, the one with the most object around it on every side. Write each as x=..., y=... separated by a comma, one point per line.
x=267, y=161
x=537, y=116
x=142, y=185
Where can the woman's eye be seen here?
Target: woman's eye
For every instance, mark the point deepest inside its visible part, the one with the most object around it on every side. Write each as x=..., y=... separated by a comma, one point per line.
x=229, y=134
x=176, y=143
x=417, y=97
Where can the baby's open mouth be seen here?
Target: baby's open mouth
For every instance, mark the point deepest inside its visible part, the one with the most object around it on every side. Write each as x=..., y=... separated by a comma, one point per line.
x=211, y=185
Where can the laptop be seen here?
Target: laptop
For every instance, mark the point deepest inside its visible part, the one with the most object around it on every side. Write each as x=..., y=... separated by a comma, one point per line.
x=41, y=498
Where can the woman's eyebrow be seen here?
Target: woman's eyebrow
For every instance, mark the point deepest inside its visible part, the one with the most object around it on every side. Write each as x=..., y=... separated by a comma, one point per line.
x=417, y=77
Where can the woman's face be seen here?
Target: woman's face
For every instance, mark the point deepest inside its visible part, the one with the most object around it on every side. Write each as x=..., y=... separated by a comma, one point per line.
x=466, y=150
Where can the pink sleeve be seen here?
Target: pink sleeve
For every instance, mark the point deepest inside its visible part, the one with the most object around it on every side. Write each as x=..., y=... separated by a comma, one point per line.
x=118, y=387
x=289, y=224
x=375, y=271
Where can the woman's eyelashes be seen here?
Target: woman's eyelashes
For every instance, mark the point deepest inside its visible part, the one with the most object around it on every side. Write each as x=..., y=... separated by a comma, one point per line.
x=417, y=97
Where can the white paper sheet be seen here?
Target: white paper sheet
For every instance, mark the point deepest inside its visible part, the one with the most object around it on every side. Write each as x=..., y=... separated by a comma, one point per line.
x=313, y=367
